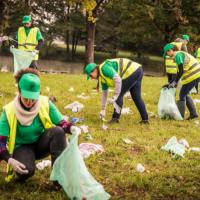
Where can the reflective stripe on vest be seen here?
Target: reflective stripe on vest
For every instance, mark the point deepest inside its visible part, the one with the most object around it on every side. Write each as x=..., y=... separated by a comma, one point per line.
x=125, y=68
x=28, y=42
x=198, y=55
x=191, y=69
x=171, y=66
x=12, y=121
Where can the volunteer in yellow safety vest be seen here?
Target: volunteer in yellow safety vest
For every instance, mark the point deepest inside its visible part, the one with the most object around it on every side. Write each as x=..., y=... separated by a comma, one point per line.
x=124, y=75
x=171, y=68
x=188, y=73
x=31, y=128
x=30, y=39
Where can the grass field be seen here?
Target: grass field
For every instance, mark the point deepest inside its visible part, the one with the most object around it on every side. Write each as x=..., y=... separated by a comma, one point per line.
x=165, y=178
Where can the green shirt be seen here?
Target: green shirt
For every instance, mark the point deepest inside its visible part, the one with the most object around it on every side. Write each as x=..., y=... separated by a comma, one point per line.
x=29, y=134
x=179, y=58
x=109, y=69
x=27, y=30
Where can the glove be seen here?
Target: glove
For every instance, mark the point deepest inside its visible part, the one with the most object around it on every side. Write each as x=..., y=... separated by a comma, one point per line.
x=102, y=114
x=112, y=100
x=17, y=166
x=75, y=130
x=172, y=84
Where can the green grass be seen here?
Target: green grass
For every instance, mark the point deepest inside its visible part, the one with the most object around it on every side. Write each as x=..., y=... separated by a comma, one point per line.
x=165, y=178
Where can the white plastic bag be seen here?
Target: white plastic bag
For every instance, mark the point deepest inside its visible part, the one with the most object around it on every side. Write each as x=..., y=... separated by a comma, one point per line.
x=167, y=108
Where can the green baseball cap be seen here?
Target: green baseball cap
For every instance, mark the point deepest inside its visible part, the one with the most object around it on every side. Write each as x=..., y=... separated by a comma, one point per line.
x=167, y=47
x=26, y=19
x=29, y=85
x=89, y=69
x=186, y=37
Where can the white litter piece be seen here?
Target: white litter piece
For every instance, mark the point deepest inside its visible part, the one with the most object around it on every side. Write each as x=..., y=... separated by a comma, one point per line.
x=184, y=142
x=127, y=141
x=84, y=128
x=75, y=106
x=152, y=114
x=194, y=149
x=83, y=97
x=71, y=89
x=196, y=122
x=88, y=149
x=127, y=95
x=104, y=127
x=43, y=164
x=126, y=111
x=140, y=168
x=196, y=101
x=4, y=68
x=47, y=89
x=65, y=117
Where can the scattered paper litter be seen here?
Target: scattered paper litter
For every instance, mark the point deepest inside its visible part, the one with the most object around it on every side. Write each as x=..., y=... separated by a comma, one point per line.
x=126, y=111
x=196, y=101
x=88, y=149
x=83, y=97
x=104, y=127
x=84, y=128
x=71, y=89
x=75, y=106
x=140, y=168
x=43, y=164
x=127, y=141
x=196, y=122
x=194, y=149
x=127, y=95
x=184, y=142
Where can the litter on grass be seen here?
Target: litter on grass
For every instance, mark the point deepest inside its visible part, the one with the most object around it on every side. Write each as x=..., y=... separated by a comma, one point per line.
x=75, y=120
x=184, y=142
x=43, y=164
x=75, y=106
x=194, y=149
x=88, y=149
x=126, y=111
x=81, y=96
x=196, y=101
x=127, y=141
x=84, y=128
x=140, y=168
x=174, y=147
x=71, y=89
x=47, y=89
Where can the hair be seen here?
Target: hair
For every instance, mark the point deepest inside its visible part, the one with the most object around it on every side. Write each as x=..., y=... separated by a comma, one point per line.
x=21, y=72
x=175, y=48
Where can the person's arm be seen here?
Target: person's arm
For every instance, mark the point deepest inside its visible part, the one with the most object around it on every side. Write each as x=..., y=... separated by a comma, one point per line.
x=180, y=72
x=4, y=155
x=57, y=118
x=104, y=99
x=40, y=40
x=118, y=86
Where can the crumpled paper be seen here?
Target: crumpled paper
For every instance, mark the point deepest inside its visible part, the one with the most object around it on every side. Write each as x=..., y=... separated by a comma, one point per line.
x=75, y=106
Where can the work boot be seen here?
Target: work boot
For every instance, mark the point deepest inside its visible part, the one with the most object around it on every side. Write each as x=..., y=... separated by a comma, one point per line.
x=191, y=107
x=113, y=121
x=143, y=121
x=181, y=108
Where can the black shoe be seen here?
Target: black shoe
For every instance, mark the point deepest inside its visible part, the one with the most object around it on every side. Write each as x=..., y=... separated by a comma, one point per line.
x=113, y=121
x=146, y=121
x=56, y=185
x=192, y=117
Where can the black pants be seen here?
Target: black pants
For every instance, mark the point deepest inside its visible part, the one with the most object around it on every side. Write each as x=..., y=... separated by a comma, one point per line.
x=133, y=84
x=33, y=64
x=171, y=77
x=52, y=142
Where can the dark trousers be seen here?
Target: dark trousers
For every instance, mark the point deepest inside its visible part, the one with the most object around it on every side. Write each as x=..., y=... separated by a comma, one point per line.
x=133, y=84
x=52, y=142
x=171, y=77
x=185, y=89
x=33, y=64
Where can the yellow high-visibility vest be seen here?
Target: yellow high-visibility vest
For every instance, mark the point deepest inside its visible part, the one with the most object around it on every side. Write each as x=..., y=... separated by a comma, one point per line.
x=27, y=42
x=12, y=121
x=125, y=68
x=198, y=55
x=171, y=66
x=191, y=68
x=178, y=45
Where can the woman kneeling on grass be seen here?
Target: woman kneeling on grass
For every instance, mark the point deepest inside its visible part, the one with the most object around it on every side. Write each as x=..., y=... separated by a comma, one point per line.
x=124, y=75
x=31, y=128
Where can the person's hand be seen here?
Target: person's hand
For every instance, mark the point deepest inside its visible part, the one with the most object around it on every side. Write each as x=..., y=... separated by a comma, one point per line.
x=17, y=166
x=102, y=114
x=172, y=85
x=75, y=130
x=35, y=52
x=112, y=100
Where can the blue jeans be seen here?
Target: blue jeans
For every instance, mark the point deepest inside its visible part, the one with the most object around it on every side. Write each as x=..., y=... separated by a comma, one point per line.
x=133, y=84
x=183, y=95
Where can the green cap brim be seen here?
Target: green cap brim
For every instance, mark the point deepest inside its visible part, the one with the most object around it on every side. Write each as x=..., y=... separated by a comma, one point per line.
x=30, y=95
x=26, y=21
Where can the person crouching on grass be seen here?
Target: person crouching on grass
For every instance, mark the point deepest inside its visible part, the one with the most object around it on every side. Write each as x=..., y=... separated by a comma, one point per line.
x=124, y=75
x=31, y=128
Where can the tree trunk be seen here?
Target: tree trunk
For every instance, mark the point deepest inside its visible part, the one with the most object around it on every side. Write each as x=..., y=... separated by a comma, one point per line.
x=90, y=29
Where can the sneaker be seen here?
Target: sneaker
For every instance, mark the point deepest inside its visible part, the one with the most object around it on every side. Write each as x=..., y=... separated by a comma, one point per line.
x=146, y=121
x=113, y=121
x=192, y=117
